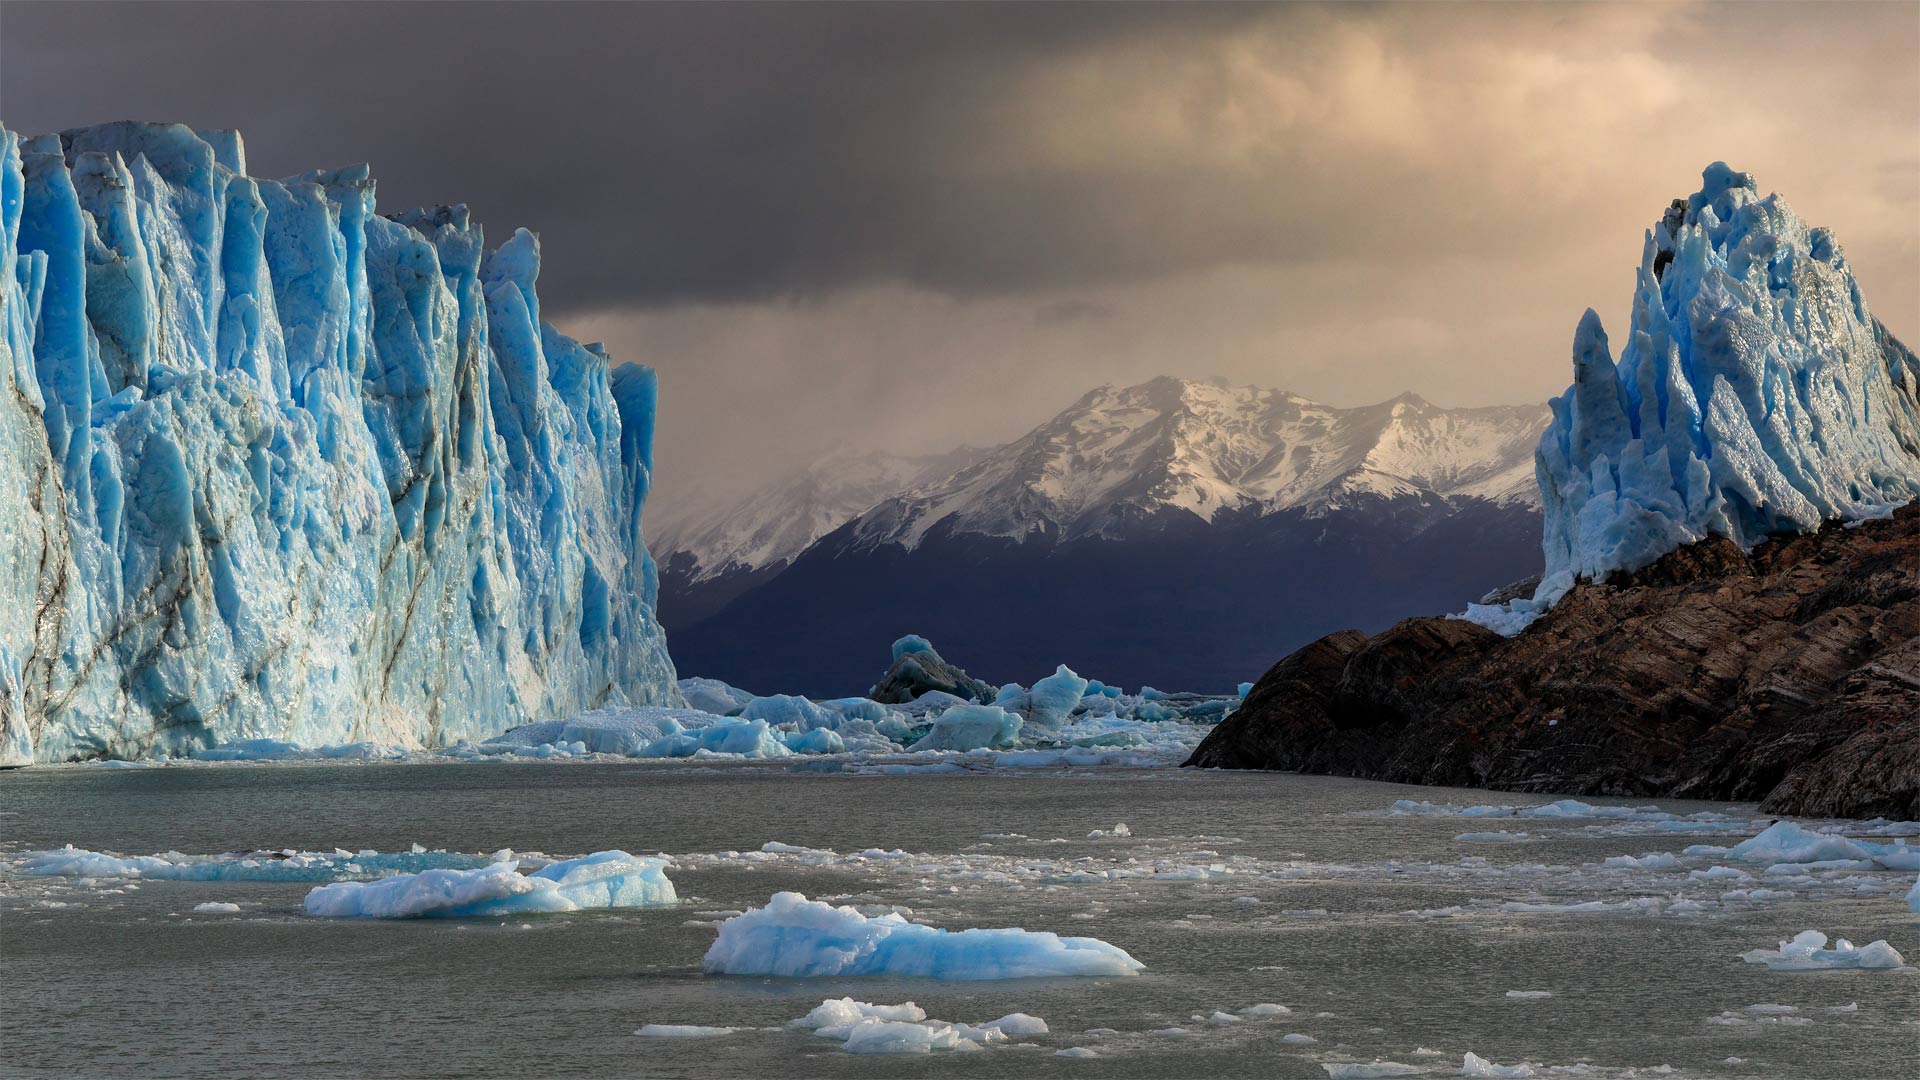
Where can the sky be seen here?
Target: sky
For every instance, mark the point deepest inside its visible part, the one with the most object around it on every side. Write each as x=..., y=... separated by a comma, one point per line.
x=908, y=226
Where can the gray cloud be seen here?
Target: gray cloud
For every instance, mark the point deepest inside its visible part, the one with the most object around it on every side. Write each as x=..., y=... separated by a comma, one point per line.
x=910, y=225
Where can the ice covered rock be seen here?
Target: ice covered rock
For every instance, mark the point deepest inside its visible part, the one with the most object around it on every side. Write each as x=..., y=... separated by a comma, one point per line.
x=917, y=670
x=282, y=468
x=972, y=727
x=1808, y=952
x=1755, y=394
x=605, y=879
x=796, y=937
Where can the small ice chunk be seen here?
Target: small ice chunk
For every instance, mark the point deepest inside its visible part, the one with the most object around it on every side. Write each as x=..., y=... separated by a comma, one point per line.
x=1658, y=860
x=216, y=908
x=1294, y=1038
x=1808, y=952
x=1477, y=1066
x=1219, y=1017
x=1913, y=897
x=1075, y=1052
x=1118, y=831
x=1368, y=1070
x=1264, y=1009
x=1529, y=994
x=1018, y=1024
x=1255, y=899
x=845, y=1012
x=682, y=1031
x=1499, y=836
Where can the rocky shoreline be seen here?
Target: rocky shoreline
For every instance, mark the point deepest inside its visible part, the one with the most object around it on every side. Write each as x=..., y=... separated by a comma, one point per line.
x=1789, y=675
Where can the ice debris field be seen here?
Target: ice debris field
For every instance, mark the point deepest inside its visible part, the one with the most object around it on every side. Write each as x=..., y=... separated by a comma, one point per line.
x=1062, y=720
x=1652, y=864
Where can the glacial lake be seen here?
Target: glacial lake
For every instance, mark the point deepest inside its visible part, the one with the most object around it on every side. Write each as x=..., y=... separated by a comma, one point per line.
x=1385, y=936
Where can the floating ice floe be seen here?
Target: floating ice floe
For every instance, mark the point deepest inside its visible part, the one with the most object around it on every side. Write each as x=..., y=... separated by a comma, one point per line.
x=216, y=907
x=1789, y=842
x=1476, y=1066
x=865, y=1028
x=796, y=937
x=1913, y=897
x=682, y=1031
x=1371, y=1070
x=1808, y=952
x=75, y=862
x=605, y=879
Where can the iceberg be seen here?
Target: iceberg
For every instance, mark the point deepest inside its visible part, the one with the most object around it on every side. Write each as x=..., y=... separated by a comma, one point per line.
x=1755, y=394
x=1808, y=952
x=1476, y=1066
x=605, y=879
x=972, y=727
x=796, y=937
x=284, y=468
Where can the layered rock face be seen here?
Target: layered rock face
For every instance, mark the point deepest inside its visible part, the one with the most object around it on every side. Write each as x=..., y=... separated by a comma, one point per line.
x=281, y=467
x=1790, y=675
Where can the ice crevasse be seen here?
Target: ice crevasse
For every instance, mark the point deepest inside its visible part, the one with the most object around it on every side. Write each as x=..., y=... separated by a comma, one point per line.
x=280, y=467
x=1755, y=394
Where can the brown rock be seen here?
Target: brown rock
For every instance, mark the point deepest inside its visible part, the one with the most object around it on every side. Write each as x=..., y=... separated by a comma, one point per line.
x=1790, y=675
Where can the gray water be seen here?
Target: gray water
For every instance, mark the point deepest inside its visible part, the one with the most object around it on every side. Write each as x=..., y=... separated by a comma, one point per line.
x=133, y=984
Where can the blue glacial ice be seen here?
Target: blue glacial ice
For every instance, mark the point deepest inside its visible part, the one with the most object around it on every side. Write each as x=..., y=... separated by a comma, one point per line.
x=1755, y=394
x=1787, y=842
x=796, y=937
x=283, y=468
x=605, y=879
x=972, y=727
x=1808, y=951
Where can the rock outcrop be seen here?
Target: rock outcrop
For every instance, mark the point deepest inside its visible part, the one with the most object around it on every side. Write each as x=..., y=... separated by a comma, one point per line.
x=1790, y=675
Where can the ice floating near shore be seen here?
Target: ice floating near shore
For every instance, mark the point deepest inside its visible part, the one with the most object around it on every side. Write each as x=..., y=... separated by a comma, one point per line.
x=796, y=937
x=1913, y=897
x=1788, y=842
x=605, y=879
x=75, y=862
x=1808, y=952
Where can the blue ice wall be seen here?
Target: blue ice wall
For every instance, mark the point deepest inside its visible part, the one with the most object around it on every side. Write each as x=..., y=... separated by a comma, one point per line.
x=279, y=466
x=1754, y=394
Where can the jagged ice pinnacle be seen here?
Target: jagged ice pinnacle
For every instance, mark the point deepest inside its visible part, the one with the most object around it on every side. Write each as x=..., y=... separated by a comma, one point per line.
x=1756, y=394
x=281, y=467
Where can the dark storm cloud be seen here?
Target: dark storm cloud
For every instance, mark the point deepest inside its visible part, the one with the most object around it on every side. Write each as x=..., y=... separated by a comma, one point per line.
x=670, y=151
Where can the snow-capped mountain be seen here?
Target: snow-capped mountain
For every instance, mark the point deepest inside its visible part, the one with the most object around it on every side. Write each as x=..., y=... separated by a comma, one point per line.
x=1121, y=457
x=772, y=526
x=1174, y=532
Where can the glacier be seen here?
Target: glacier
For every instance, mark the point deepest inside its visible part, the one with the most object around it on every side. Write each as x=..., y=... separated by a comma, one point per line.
x=292, y=470
x=1756, y=394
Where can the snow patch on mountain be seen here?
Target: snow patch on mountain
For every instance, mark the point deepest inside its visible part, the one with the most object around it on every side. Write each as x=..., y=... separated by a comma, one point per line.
x=774, y=524
x=1122, y=456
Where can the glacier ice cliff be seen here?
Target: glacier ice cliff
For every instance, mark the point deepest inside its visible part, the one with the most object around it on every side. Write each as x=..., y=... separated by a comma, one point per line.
x=1755, y=394
x=280, y=467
